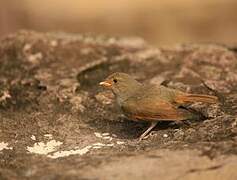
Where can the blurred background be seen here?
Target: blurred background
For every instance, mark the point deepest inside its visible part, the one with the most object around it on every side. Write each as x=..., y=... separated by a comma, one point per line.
x=160, y=22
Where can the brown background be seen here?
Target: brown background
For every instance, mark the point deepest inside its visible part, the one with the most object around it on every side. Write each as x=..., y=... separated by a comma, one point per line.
x=159, y=22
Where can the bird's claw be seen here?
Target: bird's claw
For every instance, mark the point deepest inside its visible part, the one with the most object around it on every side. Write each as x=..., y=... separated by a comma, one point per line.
x=142, y=138
x=152, y=133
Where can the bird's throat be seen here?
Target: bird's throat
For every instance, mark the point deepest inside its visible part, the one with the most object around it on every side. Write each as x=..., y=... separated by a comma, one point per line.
x=124, y=93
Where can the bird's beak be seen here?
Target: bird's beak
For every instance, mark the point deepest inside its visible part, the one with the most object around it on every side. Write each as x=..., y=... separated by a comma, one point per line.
x=105, y=84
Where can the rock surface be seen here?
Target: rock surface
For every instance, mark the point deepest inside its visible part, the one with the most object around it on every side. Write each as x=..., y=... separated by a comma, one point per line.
x=56, y=123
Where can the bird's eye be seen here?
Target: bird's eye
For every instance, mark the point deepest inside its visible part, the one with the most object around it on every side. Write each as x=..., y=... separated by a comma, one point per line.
x=115, y=80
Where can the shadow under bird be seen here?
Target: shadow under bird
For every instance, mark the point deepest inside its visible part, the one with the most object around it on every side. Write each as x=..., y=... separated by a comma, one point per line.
x=152, y=103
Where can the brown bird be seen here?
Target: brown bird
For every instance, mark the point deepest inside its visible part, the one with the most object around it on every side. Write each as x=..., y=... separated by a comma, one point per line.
x=152, y=103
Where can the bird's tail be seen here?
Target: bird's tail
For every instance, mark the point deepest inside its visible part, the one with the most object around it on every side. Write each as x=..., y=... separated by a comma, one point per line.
x=189, y=98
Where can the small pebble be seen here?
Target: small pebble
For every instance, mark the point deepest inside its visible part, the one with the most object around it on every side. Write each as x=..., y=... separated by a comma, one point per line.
x=110, y=144
x=114, y=135
x=27, y=47
x=120, y=142
x=108, y=138
x=50, y=136
x=98, y=135
x=97, y=147
x=105, y=134
x=54, y=43
x=33, y=137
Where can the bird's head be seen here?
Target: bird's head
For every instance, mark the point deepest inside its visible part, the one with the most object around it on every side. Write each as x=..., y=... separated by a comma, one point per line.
x=122, y=84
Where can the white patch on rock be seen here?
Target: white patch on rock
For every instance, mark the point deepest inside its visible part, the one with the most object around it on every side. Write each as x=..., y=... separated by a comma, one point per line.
x=120, y=142
x=4, y=145
x=35, y=58
x=110, y=145
x=50, y=136
x=27, y=47
x=102, y=145
x=70, y=152
x=99, y=144
x=33, y=137
x=97, y=147
x=108, y=137
x=49, y=148
x=54, y=43
x=98, y=135
x=114, y=135
x=44, y=148
x=79, y=151
x=6, y=95
x=105, y=136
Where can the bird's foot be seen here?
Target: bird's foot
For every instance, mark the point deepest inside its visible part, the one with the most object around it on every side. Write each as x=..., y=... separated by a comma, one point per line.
x=152, y=133
x=143, y=137
x=146, y=134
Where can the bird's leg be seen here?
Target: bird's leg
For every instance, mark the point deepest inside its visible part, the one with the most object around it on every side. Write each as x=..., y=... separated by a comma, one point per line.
x=153, y=124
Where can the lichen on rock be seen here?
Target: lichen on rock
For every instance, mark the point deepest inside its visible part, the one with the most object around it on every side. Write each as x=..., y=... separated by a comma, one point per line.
x=49, y=85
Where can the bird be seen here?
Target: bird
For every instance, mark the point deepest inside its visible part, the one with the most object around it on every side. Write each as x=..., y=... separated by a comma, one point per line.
x=152, y=103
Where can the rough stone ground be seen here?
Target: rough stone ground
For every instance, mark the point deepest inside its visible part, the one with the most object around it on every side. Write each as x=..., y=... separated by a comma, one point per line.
x=57, y=123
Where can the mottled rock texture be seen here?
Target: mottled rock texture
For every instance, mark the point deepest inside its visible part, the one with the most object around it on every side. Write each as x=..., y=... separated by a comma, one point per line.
x=49, y=85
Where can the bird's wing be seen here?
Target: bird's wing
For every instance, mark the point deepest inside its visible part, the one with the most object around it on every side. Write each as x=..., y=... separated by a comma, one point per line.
x=150, y=109
x=184, y=98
